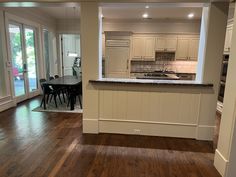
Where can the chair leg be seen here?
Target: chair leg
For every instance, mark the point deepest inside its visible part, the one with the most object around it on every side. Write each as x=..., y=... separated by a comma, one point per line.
x=48, y=98
x=63, y=95
x=51, y=98
x=55, y=99
x=59, y=98
x=42, y=102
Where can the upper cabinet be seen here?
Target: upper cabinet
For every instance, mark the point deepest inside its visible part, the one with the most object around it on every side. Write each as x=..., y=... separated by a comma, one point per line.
x=187, y=48
x=166, y=43
x=228, y=38
x=143, y=48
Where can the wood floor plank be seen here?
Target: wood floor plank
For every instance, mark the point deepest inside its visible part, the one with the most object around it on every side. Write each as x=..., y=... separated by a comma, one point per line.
x=38, y=144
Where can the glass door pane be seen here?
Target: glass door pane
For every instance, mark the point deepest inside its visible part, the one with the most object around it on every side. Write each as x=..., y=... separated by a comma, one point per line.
x=17, y=59
x=29, y=35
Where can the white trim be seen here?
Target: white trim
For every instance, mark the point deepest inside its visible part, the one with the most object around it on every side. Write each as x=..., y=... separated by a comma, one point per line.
x=147, y=129
x=148, y=122
x=221, y=163
x=90, y=126
x=205, y=132
x=6, y=105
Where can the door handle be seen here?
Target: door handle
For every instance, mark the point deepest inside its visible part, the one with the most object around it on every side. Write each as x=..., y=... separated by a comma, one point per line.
x=25, y=68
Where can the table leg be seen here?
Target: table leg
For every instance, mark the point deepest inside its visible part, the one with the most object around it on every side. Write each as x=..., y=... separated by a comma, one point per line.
x=72, y=102
x=44, y=99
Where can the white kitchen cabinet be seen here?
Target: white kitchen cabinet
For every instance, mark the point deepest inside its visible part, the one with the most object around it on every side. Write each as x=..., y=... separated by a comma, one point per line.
x=182, y=49
x=193, y=49
x=228, y=38
x=117, y=62
x=143, y=48
x=166, y=43
x=149, y=53
x=138, y=48
x=160, y=43
x=171, y=43
x=187, y=49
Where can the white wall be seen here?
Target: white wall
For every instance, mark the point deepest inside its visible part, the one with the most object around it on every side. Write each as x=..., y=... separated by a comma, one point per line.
x=177, y=27
x=225, y=158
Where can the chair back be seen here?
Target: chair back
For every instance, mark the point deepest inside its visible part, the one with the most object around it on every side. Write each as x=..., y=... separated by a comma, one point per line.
x=51, y=78
x=41, y=81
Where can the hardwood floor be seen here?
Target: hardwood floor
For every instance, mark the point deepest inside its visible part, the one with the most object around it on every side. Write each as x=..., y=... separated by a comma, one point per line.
x=34, y=144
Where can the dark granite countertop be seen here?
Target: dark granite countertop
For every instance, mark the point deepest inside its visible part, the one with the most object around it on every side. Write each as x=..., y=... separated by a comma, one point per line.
x=151, y=82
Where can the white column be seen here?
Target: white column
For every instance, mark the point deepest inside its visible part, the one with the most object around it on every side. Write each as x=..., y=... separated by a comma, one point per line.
x=225, y=157
x=91, y=37
x=213, y=29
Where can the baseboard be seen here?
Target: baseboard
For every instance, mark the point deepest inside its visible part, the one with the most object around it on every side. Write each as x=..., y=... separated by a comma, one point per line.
x=90, y=126
x=150, y=129
x=220, y=163
x=7, y=105
x=205, y=132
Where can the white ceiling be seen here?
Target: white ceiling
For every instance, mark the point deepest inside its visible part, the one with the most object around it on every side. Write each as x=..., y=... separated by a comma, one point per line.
x=153, y=12
x=61, y=12
x=132, y=11
x=127, y=12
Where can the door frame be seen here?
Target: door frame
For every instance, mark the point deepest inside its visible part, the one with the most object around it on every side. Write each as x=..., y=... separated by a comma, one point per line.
x=22, y=23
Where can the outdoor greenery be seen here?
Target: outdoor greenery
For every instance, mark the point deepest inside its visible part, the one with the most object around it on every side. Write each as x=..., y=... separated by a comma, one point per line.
x=16, y=50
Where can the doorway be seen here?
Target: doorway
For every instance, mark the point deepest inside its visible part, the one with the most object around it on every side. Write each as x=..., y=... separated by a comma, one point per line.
x=71, y=61
x=23, y=54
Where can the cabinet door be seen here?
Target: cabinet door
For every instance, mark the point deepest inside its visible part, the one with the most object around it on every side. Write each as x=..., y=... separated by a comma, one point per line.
x=171, y=44
x=228, y=37
x=103, y=45
x=193, y=49
x=160, y=43
x=149, y=48
x=182, y=49
x=138, y=48
x=117, y=62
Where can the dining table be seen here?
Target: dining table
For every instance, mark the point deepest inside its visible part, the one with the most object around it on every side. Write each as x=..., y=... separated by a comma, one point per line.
x=67, y=82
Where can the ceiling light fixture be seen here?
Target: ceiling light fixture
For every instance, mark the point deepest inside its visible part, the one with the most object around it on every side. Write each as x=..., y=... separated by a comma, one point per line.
x=147, y=6
x=191, y=15
x=145, y=15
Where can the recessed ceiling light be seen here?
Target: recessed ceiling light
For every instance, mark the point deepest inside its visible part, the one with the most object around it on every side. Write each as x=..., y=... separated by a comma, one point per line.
x=145, y=15
x=191, y=15
x=147, y=6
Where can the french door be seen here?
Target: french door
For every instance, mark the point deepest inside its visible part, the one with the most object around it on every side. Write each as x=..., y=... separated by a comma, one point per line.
x=23, y=53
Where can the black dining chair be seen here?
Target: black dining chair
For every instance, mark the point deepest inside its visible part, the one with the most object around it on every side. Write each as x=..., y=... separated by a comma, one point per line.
x=48, y=91
x=76, y=92
x=51, y=78
x=56, y=76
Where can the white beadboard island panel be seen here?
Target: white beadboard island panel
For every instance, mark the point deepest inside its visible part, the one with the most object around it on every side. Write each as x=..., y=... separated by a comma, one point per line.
x=140, y=112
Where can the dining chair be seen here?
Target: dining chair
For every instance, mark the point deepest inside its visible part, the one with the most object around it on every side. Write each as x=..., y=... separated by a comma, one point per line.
x=51, y=78
x=76, y=92
x=56, y=76
x=48, y=91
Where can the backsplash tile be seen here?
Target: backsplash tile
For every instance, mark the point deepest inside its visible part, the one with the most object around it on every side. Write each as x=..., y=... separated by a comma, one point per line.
x=176, y=66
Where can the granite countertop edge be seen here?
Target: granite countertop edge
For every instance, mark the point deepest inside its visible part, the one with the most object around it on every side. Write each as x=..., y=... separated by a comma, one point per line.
x=151, y=82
